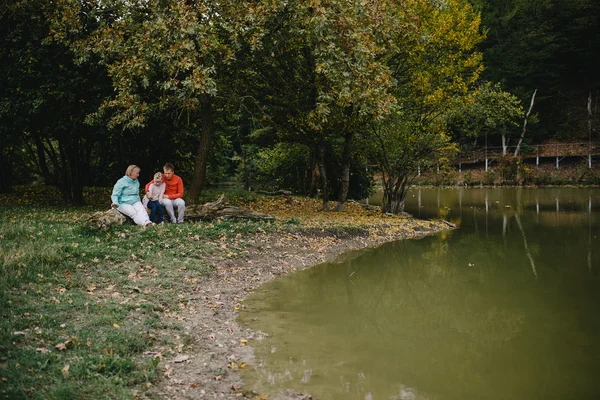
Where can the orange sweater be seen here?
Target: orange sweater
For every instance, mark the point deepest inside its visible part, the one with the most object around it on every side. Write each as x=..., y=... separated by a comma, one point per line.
x=174, y=187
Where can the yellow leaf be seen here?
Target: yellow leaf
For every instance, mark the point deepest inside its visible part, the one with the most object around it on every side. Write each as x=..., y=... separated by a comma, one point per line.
x=65, y=370
x=116, y=326
x=242, y=365
x=243, y=341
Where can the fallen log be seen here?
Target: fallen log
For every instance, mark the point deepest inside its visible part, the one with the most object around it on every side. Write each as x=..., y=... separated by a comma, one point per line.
x=285, y=193
x=103, y=220
x=220, y=209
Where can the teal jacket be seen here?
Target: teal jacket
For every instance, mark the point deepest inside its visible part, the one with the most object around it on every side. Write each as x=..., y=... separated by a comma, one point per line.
x=126, y=191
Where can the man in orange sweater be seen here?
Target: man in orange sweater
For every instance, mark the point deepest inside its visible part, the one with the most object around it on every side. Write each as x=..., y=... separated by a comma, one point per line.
x=173, y=197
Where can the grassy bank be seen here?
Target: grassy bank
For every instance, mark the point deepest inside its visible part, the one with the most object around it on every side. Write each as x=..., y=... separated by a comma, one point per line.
x=93, y=315
x=80, y=308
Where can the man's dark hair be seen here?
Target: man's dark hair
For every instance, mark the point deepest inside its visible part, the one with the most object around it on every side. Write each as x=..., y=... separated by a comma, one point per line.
x=169, y=167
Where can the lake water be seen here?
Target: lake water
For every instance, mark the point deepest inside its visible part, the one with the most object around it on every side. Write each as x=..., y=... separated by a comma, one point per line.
x=505, y=307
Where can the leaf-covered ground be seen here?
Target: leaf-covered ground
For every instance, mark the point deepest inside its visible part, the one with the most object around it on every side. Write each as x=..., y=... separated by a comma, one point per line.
x=151, y=313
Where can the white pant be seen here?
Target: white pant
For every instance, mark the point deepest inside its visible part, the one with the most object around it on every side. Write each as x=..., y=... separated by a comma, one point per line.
x=137, y=212
x=169, y=204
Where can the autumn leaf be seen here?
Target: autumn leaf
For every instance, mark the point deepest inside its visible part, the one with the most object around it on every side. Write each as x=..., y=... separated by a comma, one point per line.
x=61, y=346
x=181, y=358
x=65, y=370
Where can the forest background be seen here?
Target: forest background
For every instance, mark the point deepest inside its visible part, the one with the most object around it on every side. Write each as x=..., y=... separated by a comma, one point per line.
x=310, y=96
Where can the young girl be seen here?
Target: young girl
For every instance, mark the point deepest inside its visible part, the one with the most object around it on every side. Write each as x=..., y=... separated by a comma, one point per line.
x=154, y=197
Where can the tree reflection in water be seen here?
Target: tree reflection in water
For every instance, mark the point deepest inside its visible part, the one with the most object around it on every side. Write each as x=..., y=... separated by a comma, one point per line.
x=503, y=307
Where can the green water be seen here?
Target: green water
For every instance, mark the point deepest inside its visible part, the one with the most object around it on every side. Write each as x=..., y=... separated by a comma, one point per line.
x=505, y=307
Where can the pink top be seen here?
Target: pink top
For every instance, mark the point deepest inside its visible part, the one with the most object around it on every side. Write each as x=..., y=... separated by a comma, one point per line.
x=157, y=191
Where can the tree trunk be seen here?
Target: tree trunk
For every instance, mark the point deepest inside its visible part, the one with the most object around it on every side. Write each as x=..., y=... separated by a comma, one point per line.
x=314, y=181
x=5, y=165
x=323, y=173
x=245, y=169
x=525, y=124
x=395, y=195
x=589, y=109
x=396, y=206
x=43, y=165
x=345, y=171
x=70, y=183
x=201, y=161
x=504, y=141
x=75, y=173
x=314, y=175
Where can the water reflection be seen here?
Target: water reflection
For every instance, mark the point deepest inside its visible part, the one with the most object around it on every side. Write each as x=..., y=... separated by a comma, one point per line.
x=504, y=307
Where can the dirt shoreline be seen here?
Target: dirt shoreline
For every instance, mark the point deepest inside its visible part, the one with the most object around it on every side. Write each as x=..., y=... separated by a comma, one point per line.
x=212, y=346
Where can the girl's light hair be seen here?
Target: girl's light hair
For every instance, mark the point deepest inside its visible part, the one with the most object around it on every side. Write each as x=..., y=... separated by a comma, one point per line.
x=130, y=169
x=158, y=176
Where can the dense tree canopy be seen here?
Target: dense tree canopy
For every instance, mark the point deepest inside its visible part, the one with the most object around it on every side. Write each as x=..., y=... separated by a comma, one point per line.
x=550, y=45
x=282, y=94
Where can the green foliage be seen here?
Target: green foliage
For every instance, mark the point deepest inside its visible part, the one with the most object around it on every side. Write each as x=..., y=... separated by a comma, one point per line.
x=489, y=111
x=435, y=64
x=512, y=171
x=44, y=98
x=288, y=166
x=548, y=45
x=285, y=166
x=90, y=87
x=361, y=184
x=400, y=152
x=220, y=164
x=162, y=57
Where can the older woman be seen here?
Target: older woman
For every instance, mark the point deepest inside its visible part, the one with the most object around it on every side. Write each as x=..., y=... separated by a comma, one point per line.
x=126, y=197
